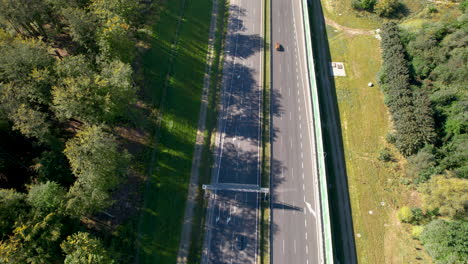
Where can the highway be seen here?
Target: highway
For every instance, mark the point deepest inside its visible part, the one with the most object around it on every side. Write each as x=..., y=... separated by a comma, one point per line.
x=232, y=216
x=296, y=221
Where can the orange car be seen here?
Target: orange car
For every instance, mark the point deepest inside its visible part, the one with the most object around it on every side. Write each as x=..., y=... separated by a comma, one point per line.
x=278, y=46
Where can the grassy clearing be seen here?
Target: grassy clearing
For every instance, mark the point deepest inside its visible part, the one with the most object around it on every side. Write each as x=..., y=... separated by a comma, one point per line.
x=365, y=121
x=342, y=12
x=174, y=79
x=265, y=181
x=207, y=160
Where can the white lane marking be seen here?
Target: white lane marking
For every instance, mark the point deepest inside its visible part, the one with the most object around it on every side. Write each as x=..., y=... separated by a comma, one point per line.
x=302, y=164
x=305, y=222
x=294, y=245
x=309, y=206
x=290, y=115
x=280, y=67
x=306, y=235
x=283, y=246
x=302, y=175
x=299, y=117
x=303, y=187
x=301, y=148
x=307, y=249
x=301, y=137
x=302, y=155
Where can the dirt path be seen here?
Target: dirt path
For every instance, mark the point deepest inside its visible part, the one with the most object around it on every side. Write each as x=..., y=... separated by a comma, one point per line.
x=348, y=30
x=184, y=244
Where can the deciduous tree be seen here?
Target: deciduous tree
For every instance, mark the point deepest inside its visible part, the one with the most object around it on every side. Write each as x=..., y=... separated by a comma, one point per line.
x=81, y=248
x=449, y=195
x=446, y=241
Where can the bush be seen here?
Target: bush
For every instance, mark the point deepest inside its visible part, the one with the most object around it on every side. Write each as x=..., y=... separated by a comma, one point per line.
x=385, y=155
x=418, y=215
x=416, y=231
x=364, y=4
x=405, y=214
x=387, y=8
x=390, y=138
x=446, y=241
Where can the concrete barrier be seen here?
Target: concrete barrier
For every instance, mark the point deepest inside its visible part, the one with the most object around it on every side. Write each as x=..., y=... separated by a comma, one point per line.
x=325, y=211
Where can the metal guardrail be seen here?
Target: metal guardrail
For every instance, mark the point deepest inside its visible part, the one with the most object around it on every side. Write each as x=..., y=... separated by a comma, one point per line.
x=327, y=238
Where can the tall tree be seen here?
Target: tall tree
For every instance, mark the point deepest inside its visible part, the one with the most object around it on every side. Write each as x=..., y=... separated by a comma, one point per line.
x=12, y=207
x=449, y=195
x=98, y=164
x=25, y=93
x=46, y=197
x=446, y=242
x=81, y=248
x=34, y=240
x=86, y=95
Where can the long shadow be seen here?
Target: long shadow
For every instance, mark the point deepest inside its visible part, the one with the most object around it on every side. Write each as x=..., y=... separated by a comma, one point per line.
x=339, y=201
x=286, y=206
x=241, y=102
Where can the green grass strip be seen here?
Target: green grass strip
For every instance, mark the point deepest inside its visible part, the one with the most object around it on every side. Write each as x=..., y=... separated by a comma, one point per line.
x=207, y=159
x=173, y=69
x=266, y=155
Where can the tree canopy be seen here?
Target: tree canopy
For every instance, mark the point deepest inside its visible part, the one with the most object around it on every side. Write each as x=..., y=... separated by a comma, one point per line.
x=446, y=242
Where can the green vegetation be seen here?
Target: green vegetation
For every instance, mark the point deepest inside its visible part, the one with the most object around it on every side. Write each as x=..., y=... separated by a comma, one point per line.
x=446, y=241
x=411, y=112
x=174, y=70
x=424, y=81
x=266, y=154
x=198, y=227
x=66, y=87
x=81, y=248
x=376, y=170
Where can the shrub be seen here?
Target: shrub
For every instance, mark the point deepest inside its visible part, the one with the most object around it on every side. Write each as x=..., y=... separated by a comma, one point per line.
x=446, y=241
x=390, y=138
x=385, y=155
x=364, y=4
x=405, y=214
x=387, y=8
x=416, y=231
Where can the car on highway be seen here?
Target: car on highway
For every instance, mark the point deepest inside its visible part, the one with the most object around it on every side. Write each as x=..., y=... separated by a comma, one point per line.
x=241, y=242
x=278, y=46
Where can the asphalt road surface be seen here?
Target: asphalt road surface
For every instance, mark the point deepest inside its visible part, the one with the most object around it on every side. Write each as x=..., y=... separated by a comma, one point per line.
x=296, y=221
x=232, y=217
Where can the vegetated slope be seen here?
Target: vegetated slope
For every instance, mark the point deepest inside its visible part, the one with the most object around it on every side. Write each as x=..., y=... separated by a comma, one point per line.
x=431, y=70
x=377, y=187
x=66, y=85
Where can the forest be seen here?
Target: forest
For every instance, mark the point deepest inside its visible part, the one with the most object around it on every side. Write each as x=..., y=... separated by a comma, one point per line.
x=66, y=81
x=424, y=80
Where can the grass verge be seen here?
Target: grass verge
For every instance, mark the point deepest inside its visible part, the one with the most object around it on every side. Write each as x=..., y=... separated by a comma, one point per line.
x=266, y=155
x=207, y=158
x=173, y=71
x=375, y=187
